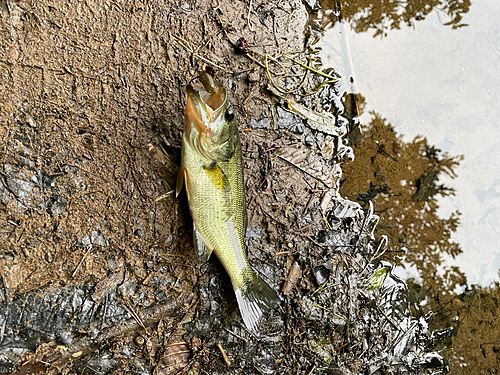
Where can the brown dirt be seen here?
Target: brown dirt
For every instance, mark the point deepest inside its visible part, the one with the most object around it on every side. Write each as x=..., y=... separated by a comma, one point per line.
x=91, y=123
x=91, y=120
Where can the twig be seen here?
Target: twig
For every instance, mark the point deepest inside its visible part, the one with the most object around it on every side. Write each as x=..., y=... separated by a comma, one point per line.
x=87, y=345
x=188, y=47
x=403, y=335
x=163, y=196
x=281, y=253
x=248, y=96
x=271, y=217
x=291, y=279
x=135, y=316
x=309, y=68
x=248, y=16
x=81, y=261
x=303, y=170
x=235, y=335
x=224, y=355
x=105, y=310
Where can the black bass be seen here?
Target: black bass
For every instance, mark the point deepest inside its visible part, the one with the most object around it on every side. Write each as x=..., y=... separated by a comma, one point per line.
x=212, y=170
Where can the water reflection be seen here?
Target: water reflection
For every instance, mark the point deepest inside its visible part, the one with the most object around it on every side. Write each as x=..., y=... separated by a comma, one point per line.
x=401, y=179
x=380, y=16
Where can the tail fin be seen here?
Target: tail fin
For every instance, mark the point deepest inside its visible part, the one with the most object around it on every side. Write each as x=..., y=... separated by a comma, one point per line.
x=255, y=298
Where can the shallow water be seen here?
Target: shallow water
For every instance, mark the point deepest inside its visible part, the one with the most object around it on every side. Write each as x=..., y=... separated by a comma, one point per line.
x=442, y=83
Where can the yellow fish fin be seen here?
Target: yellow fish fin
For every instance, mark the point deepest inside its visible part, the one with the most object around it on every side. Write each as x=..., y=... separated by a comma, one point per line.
x=181, y=176
x=217, y=177
x=200, y=246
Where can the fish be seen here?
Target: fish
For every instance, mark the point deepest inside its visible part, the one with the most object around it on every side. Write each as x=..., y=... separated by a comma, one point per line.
x=212, y=172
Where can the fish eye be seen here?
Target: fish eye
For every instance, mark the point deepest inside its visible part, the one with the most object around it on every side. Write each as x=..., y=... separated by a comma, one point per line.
x=229, y=115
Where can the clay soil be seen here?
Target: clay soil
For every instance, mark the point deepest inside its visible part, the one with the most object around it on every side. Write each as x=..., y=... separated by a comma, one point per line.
x=91, y=120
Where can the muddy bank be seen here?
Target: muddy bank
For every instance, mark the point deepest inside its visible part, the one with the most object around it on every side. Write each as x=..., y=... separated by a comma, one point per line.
x=98, y=268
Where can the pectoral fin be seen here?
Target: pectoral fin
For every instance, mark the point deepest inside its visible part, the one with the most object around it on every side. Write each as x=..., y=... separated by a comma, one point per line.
x=226, y=150
x=200, y=246
x=217, y=177
x=181, y=175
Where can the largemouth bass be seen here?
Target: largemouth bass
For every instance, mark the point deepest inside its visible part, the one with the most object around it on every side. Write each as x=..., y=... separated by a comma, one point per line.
x=212, y=171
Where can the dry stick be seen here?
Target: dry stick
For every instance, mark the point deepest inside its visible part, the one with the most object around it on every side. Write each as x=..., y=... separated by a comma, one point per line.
x=235, y=335
x=274, y=120
x=81, y=261
x=303, y=170
x=301, y=229
x=291, y=279
x=135, y=316
x=403, y=335
x=313, y=367
x=163, y=196
x=184, y=43
x=224, y=355
x=249, y=96
x=354, y=261
x=388, y=318
x=318, y=244
x=248, y=16
x=281, y=253
x=148, y=278
x=271, y=216
x=105, y=310
x=309, y=68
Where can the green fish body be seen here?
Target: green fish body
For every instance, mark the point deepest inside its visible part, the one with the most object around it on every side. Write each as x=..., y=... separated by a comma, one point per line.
x=212, y=171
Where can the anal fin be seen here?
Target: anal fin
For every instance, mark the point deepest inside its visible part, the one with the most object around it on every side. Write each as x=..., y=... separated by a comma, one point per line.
x=200, y=246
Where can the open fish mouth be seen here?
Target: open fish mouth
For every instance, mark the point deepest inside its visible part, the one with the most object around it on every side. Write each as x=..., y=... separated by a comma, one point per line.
x=206, y=105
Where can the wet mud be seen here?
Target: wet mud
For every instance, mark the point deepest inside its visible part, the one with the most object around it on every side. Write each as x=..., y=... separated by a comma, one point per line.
x=98, y=272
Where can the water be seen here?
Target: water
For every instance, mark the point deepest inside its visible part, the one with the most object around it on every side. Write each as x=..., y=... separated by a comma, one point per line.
x=442, y=83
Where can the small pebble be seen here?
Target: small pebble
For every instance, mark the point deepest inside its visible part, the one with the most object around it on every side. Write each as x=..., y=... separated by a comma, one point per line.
x=309, y=139
x=138, y=233
x=48, y=257
x=321, y=273
x=253, y=76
